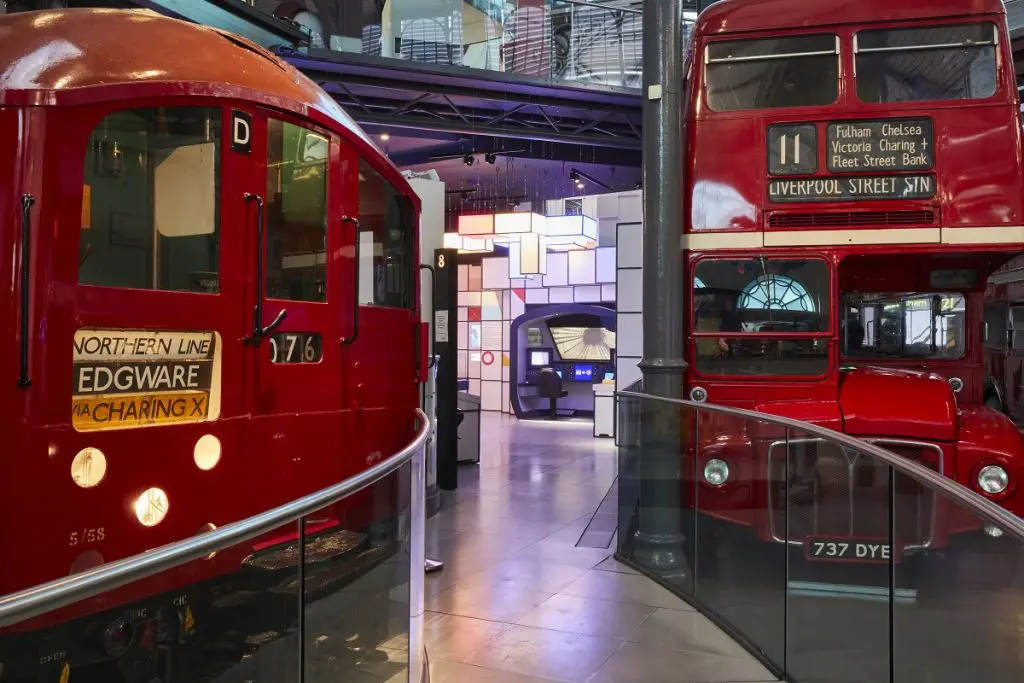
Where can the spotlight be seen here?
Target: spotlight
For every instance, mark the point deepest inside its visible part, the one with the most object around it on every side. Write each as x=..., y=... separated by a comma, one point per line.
x=575, y=177
x=385, y=137
x=468, y=160
x=490, y=158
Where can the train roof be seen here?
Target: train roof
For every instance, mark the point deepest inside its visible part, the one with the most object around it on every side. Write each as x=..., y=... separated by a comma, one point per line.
x=75, y=51
x=738, y=16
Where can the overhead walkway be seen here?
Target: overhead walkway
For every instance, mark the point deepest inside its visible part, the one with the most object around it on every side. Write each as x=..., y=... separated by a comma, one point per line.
x=683, y=593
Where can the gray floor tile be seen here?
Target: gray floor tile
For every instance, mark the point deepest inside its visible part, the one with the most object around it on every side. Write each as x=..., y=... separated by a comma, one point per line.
x=541, y=652
x=546, y=576
x=588, y=616
x=613, y=565
x=562, y=553
x=631, y=588
x=635, y=663
x=454, y=672
x=451, y=637
x=495, y=602
x=685, y=631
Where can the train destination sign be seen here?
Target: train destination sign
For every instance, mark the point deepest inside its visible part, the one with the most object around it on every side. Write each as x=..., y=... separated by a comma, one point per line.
x=896, y=145
x=142, y=378
x=852, y=188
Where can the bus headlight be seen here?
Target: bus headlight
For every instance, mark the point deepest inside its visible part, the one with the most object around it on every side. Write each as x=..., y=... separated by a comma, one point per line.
x=956, y=384
x=993, y=479
x=716, y=472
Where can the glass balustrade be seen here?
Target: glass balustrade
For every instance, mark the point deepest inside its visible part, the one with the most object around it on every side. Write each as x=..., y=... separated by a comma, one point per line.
x=333, y=595
x=566, y=41
x=830, y=558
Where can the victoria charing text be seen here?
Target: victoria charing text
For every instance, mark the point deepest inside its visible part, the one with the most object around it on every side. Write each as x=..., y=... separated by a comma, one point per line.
x=830, y=189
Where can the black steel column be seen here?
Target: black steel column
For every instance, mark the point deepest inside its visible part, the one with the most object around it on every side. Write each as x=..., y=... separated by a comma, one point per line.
x=659, y=539
x=446, y=293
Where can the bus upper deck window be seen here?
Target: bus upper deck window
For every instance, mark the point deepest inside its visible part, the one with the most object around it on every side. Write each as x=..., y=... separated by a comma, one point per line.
x=767, y=73
x=150, y=214
x=954, y=62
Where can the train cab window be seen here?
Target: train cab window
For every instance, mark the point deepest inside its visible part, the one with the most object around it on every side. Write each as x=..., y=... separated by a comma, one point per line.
x=387, y=240
x=1016, y=331
x=761, y=317
x=296, y=215
x=953, y=62
x=766, y=73
x=150, y=202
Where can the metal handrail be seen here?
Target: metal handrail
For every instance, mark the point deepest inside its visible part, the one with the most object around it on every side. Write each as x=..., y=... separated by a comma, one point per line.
x=46, y=597
x=983, y=507
x=597, y=5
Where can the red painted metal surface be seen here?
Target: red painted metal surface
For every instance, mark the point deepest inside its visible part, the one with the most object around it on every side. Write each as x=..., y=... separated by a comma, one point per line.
x=285, y=429
x=974, y=221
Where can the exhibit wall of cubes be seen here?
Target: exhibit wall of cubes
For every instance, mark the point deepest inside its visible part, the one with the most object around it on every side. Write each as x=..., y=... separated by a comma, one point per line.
x=489, y=300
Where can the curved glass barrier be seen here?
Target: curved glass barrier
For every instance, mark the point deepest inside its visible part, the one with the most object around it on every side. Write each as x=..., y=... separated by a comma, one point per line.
x=831, y=559
x=325, y=588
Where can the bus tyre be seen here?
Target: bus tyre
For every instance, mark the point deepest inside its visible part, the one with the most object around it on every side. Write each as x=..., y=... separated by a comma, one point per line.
x=992, y=401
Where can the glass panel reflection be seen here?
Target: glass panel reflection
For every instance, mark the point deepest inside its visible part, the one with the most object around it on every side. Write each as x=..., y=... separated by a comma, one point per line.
x=835, y=517
x=741, y=568
x=323, y=599
x=963, y=599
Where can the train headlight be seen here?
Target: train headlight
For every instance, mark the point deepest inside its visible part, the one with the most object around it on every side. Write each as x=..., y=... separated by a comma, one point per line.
x=716, y=472
x=151, y=507
x=993, y=479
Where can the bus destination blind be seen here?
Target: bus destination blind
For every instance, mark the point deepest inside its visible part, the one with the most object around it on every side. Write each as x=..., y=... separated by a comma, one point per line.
x=852, y=188
x=867, y=146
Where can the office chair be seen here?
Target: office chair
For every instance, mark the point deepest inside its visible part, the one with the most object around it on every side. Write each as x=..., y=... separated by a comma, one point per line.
x=549, y=386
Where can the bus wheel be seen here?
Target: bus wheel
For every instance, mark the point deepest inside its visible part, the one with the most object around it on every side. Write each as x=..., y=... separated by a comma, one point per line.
x=992, y=401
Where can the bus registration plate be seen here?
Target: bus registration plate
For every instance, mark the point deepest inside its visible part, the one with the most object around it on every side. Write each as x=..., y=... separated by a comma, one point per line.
x=852, y=188
x=847, y=550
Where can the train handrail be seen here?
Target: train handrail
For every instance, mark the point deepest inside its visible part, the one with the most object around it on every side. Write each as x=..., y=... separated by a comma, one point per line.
x=50, y=596
x=984, y=508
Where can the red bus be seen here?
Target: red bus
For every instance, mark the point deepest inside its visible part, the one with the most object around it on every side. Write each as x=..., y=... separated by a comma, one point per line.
x=853, y=177
x=190, y=339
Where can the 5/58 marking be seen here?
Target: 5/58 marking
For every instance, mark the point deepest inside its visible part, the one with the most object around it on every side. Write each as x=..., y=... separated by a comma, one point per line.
x=87, y=536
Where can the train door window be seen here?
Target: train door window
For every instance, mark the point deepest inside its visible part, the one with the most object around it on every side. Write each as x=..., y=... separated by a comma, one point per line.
x=995, y=326
x=954, y=62
x=1016, y=331
x=387, y=243
x=150, y=201
x=296, y=213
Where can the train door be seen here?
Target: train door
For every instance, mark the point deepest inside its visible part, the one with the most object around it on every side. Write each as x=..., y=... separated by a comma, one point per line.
x=293, y=262
x=138, y=310
x=384, y=355
x=1013, y=364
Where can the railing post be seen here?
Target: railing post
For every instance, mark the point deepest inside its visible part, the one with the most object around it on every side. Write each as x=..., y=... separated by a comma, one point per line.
x=659, y=538
x=417, y=558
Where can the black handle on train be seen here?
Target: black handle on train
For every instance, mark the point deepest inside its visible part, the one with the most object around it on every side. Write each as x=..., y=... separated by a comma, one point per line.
x=258, y=330
x=24, y=381
x=355, y=286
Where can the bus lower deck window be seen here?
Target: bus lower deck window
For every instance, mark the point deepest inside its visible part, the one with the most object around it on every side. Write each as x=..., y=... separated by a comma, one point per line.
x=955, y=62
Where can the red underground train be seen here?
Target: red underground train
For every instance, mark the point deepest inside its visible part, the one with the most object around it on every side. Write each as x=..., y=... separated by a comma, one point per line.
x=190, y=337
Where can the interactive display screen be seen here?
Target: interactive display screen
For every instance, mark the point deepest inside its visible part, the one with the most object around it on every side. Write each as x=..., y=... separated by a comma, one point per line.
x=583, y=373
x=540, y=359
x=584, y=343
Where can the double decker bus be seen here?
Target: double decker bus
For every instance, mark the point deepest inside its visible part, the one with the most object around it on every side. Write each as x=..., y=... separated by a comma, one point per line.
x=210, y=310
x=853, y=178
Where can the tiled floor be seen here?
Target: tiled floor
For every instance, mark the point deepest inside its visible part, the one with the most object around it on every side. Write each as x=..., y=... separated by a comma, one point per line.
x=518, y=602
